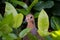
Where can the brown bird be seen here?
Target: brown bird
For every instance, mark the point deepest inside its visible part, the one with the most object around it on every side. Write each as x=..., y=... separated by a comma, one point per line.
x=31, y=24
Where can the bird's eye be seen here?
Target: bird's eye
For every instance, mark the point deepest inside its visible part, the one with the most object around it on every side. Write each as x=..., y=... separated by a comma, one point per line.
x=31, y=17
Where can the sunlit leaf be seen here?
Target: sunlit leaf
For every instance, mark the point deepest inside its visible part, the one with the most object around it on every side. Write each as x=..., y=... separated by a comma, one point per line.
x=8, y=19
x=10, y=9
x=18, y=20
x=24, y=32
x=43, y=23
x=55, y=35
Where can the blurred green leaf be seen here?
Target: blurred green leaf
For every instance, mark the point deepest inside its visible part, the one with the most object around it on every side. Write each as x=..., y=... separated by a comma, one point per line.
x=48, y=38
x=55, y=35
x=10, y=9
x=8, y=19
x=42, y=5
x=24, y=32
x=32, y=4
x=5, y=29
x=13, y=35
x=43, y=23
x=36, y=15
x=7, y=37
x=55, y=23
x=32, y=37
x=18, y=20
x=0, y=33
x=21, y=4
x=11, y=1
x=23, y=11
x=1, y=17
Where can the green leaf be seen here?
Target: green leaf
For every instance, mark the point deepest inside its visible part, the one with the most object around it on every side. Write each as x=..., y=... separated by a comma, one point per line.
x=55, y=35
x=7, y=37
x=43, y=23
x=24, y=32
x=5, y=29
x=21, y=4
x=55, y=23
x=23, y=11
x=32, y=37
x=10, y=9
x=12, y=35
x=1, y=17
x=32, y=4
x=36, y=15
x=48, y=38
x=0, y=33
x=8, y=19
x=42, y=5
x=18, y=19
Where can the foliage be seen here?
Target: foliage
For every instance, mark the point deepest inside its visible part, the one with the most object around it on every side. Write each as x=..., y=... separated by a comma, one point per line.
x=10, y=20
x=43, y=23
x=46, y=11
x=24, y=32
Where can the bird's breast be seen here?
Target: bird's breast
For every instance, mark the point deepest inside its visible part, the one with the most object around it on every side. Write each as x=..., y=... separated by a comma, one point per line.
x=34, y=31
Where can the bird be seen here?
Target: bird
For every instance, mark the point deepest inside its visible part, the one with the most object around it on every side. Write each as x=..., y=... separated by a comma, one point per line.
x=31, y=24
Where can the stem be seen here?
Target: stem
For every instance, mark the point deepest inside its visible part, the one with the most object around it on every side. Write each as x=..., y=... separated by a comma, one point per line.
x=32, y=4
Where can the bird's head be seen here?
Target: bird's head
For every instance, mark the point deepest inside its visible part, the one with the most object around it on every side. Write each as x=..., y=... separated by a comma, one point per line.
x=29, y=18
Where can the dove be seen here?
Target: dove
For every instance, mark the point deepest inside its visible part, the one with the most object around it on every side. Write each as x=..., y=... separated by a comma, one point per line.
x=31, y=24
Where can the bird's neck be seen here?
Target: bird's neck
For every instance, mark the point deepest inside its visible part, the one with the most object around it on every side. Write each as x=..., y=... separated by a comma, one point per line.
x=31, y=24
